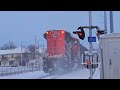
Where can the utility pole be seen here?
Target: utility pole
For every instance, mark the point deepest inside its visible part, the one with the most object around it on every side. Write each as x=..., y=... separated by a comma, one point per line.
x=111, y=22
x=38, y=49
x=90, y=43
x=105, y=21
x=43, y=49
x=21, y=54
x=9, y=45
x=35, y=47
x=101, y=53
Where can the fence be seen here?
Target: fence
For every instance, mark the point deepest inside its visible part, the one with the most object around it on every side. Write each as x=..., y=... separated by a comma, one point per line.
x=18, y=70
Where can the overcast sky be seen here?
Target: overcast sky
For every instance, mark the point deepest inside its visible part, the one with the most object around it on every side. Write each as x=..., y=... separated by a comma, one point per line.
x=22, y=26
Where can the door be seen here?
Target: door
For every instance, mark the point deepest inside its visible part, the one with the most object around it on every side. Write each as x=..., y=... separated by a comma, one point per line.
x=114, y=60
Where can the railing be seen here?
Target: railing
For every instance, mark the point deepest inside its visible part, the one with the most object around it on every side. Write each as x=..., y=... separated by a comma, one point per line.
x=5, y=71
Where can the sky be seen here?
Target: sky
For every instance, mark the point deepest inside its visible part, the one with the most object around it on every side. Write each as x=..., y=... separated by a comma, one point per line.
x=23, y=26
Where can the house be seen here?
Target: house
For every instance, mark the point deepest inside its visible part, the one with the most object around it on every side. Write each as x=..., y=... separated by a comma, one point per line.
x=21, y=56
x=7, y=57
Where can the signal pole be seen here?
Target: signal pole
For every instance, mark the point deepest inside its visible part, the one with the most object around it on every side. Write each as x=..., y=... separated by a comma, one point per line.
x=111, y=22
x=21, y=53
x=105, y=21
x=90, y=43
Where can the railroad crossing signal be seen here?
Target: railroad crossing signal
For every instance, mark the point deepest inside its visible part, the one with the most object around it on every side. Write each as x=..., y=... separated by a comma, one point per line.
x=90, y=60
x=81, y=34
x=100, y=32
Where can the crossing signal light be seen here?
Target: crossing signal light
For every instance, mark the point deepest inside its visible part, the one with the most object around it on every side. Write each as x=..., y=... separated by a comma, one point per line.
x=88, y=62
x=81, y=34
x=100, y=32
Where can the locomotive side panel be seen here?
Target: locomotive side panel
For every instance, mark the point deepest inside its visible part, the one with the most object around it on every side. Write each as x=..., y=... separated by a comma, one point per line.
x=76, y=48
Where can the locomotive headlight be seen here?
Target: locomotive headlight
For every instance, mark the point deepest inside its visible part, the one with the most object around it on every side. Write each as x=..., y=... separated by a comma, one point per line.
x=46, y=32
x=62, y=31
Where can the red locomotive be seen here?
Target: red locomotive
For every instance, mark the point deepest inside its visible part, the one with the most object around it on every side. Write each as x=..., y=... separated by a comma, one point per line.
x=63, y=51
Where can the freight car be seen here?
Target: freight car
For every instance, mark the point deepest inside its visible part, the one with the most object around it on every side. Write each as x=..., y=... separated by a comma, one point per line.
x=63, y=51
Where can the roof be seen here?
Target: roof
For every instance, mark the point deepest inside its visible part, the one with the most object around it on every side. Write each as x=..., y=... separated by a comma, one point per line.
x=18, y=50
x=13, y=51
x=111, y=35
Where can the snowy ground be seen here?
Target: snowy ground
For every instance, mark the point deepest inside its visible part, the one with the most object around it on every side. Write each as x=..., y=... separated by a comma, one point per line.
x=80, y=74
x=29, y=75
x=77, y=74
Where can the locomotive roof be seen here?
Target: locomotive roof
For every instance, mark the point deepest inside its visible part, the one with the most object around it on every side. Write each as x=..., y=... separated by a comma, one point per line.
x=73, y=38
x=57, y=30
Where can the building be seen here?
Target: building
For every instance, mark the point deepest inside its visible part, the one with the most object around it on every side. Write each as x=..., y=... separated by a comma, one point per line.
x=7, y=57
x=20, y=56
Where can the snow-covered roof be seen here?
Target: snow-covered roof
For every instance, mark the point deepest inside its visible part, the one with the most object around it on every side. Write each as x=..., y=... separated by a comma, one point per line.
x=13, y=51
x=111, y=35
x=18, y=50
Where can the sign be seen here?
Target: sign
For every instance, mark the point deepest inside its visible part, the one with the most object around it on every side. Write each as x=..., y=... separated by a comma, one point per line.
x=91, y=39
x=93, y=66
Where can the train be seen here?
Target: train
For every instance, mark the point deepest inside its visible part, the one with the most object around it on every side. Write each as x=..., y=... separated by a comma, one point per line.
x=63, y=51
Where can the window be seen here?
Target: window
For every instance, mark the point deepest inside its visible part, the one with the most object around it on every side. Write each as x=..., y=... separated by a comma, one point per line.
x=11, y=62
x=2, y=56
x=12, y=56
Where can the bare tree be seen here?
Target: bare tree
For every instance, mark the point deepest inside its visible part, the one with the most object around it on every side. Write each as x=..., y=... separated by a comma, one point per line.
x=31, y=48
x=18, y=58
x=12, y=45
x=9, y=45
x=26, y=57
